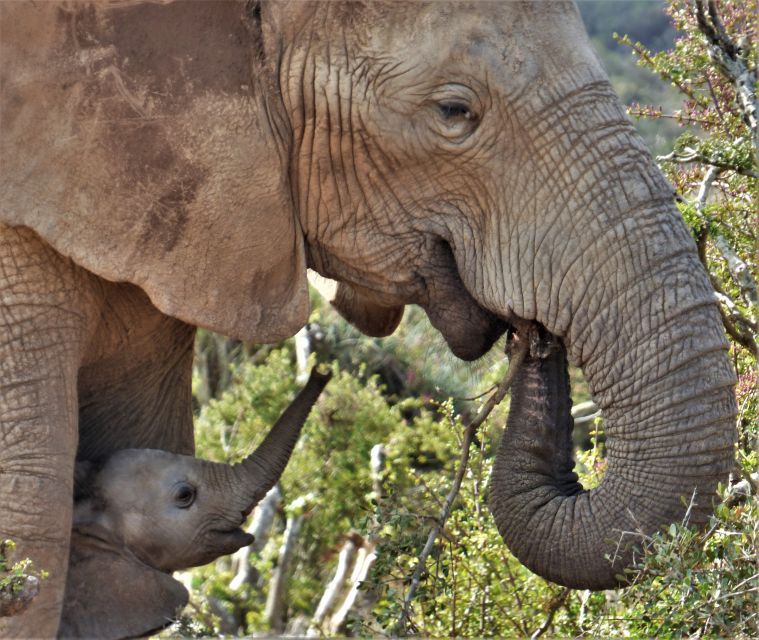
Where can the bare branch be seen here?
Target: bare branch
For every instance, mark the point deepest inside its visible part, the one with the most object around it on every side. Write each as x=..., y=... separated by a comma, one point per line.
x=275, y=602
x=329, y=597
x=555, y=605
x=739, y=271
x=260, y=528
x=516, y=360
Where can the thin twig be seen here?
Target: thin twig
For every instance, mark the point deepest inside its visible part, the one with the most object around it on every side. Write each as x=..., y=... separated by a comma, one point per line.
x=516, y=360
x=555, y=605
x=738, y=270
x=477, y=397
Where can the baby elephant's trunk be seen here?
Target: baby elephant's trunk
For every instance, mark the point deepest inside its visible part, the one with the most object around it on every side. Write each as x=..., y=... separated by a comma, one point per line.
x=262, y=469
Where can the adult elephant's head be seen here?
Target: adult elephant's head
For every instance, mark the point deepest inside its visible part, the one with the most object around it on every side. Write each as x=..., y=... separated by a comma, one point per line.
x=473, y=159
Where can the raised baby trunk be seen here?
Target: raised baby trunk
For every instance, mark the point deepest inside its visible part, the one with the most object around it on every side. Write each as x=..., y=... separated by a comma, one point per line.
x=260, y=471
x=174, y=511
x=148, y=512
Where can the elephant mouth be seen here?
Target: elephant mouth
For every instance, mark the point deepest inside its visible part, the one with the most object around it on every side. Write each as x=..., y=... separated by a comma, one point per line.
x=469, y=329
x=471, y=332
x=230, y=540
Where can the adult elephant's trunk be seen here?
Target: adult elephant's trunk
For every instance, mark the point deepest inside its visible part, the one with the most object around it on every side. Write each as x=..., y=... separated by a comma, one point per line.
x=261, y=470
x=584, y=539
x=608, y=267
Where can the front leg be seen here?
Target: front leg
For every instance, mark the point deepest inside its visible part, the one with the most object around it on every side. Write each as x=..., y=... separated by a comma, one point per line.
x=45, y=319
x=135, y=383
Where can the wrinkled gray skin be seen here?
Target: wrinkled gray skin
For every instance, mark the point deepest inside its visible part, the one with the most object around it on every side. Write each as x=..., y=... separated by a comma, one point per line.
x=144, y=513
x=469, y=158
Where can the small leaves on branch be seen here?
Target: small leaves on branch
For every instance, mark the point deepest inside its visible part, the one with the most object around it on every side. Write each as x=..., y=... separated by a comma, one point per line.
x=714, y=164
x=19, y=582
x=517, y=357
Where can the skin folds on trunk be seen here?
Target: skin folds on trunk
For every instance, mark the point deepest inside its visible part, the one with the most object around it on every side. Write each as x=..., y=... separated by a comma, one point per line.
x=585, y=539
x=603, y=261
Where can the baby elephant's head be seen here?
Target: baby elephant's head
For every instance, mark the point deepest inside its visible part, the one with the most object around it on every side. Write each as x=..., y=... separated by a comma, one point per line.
x=171, y=511
x=175, y=512
x=144, y=513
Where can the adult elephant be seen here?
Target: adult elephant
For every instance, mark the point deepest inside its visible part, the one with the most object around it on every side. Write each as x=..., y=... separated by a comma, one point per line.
x=167, y=165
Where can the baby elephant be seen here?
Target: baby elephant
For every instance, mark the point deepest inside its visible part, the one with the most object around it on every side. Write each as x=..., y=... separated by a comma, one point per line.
x=144, y=513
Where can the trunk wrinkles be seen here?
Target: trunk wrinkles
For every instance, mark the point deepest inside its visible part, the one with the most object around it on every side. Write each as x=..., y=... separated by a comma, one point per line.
x=625, y=298
x=656, y=463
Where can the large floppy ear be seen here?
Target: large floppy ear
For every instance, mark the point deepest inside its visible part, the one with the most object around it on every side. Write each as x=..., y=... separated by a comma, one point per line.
x=150, y=143
x=367, y=316
x=111, y=594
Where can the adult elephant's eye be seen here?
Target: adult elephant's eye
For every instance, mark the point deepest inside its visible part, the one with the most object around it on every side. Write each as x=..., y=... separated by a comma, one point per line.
x=456, y=110
x=456, y=119
x=184, y=495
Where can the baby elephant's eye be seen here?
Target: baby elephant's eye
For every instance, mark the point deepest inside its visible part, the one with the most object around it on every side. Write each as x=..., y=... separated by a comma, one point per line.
x=184, y=495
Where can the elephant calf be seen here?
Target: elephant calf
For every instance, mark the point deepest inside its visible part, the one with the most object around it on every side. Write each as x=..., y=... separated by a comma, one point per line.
x=143, y=513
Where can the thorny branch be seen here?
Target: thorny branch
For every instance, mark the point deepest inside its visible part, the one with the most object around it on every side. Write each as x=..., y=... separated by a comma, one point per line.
x=738, y=270
x=516, y=360
x=730, y=60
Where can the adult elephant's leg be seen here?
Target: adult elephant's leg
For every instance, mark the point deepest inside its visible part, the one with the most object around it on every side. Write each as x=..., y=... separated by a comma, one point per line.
x=135, y=383
x=43, y=328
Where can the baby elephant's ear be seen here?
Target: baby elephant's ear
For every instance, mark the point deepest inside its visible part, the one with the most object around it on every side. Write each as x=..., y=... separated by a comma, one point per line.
x=111, y=594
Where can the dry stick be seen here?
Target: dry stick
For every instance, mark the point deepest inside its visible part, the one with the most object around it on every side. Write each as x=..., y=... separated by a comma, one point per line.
x=559, y=600
x=516, y=360
x=739, y=273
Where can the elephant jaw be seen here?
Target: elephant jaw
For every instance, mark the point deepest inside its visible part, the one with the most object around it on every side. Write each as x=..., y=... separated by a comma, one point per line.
x=469, y=329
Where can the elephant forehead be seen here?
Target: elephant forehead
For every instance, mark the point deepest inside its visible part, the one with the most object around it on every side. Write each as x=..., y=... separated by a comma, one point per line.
x=148, y=468
x=504, y=46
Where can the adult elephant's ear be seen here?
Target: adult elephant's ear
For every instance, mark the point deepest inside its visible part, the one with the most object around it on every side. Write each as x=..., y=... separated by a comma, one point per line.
x=111, y=594
x=151, y=144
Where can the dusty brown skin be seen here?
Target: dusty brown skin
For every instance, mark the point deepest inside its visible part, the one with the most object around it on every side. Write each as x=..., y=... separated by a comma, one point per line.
x=469, y=158
x=144, y=513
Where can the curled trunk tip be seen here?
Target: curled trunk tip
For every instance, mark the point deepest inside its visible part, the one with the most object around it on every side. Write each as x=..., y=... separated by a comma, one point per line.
x=586, y=539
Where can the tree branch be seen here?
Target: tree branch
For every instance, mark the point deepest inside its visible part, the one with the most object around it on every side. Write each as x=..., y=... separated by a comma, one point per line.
x=555, y=605
x=727, y=55
x=516, y=361
x=692, y=155
x=738, y=270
